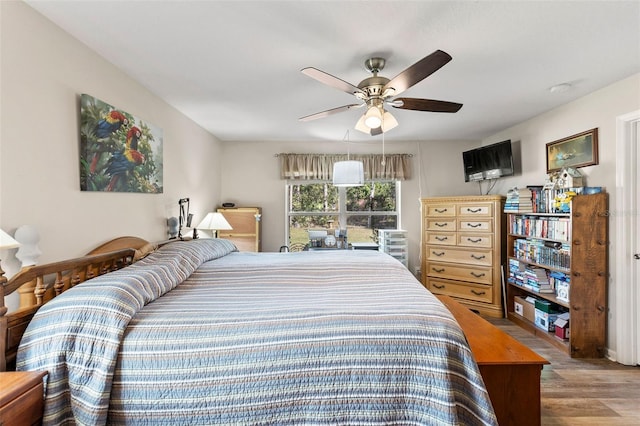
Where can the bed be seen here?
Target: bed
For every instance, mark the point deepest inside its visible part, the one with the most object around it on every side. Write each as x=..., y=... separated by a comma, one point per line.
x=199, y=333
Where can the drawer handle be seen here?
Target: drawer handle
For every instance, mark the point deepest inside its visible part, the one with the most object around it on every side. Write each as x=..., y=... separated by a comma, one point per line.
x=474, y=225
x=438, y=270
x=474, y=210
x=478, y=293
x=439, y=287
x=440, y=210
x=471, y=240
x=438, y=253
x=441, y=238
x=441, y=224
x=477, y=275
x=478, y=257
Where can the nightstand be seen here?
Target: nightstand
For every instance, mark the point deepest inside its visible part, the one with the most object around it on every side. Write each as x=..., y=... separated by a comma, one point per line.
x=21, y=398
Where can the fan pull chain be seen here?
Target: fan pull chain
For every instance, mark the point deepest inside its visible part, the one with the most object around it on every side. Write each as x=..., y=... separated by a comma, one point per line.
x=382, y=127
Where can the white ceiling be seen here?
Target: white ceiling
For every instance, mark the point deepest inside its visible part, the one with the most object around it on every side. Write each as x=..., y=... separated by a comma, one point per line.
x=234, y=66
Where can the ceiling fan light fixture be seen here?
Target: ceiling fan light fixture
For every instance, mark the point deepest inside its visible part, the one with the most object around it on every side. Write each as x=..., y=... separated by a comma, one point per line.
x=373, y=117
x=389, y=122
x=360, y=126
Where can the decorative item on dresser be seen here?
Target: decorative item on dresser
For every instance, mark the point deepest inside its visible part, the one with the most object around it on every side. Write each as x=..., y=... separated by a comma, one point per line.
x=247, y=232
x=463, y=248
x=567, y=305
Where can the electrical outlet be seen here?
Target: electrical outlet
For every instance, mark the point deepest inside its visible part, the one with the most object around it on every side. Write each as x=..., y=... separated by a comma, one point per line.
x=417, y=271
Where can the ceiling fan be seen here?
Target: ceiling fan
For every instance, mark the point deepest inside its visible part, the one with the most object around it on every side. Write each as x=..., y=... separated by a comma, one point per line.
x=376, y=91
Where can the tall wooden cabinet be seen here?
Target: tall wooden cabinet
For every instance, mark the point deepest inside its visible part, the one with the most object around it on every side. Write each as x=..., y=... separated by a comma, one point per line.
x=571, y=246
x=246, y=223
x=463, y=248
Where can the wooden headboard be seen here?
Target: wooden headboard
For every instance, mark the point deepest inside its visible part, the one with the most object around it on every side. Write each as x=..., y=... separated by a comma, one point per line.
x=43, y=282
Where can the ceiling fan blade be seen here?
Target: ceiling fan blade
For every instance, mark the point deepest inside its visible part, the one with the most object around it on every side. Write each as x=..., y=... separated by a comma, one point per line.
x=323, y=114
x=330, y=80
x=418, y=72
x=425, y=105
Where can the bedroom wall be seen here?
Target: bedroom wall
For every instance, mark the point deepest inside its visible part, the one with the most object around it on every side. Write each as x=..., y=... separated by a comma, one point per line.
x=42, y=73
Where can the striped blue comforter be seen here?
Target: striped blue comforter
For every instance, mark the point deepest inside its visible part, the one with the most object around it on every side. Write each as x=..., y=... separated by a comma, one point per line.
x=197, y=333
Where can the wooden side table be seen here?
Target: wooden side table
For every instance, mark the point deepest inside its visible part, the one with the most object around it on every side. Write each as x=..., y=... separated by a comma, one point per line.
x=21, y=398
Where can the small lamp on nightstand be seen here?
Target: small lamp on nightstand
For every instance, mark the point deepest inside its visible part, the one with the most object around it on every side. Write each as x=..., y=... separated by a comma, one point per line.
x=214, y=221
x=6, y=242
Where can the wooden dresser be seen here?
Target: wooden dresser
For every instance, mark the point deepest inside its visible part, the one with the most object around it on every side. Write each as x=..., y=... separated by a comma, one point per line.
x=21, y=398
x=463, y=248
x=247, y=231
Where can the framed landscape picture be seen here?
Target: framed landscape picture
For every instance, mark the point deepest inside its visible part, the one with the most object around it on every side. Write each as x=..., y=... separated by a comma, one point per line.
x=119, y=152
x=574, y=151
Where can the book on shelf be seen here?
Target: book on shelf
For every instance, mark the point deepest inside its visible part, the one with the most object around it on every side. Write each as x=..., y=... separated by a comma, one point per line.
x=557, y=255
x=536, y=197
x=548, y=196
x=538, y=279
x=518, y=201
x=554, y=228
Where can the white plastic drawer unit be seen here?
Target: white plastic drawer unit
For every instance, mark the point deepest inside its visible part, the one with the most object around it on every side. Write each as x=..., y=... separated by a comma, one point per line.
x=395, y=243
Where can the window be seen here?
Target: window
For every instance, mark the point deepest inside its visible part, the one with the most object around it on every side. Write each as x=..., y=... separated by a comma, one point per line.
x=359, y=209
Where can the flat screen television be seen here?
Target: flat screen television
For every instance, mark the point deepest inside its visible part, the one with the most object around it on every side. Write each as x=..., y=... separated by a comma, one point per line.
x=488, y=162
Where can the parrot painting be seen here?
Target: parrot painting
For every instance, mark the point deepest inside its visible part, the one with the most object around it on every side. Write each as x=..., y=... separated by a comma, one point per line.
x=110, y=124
x=124, y=161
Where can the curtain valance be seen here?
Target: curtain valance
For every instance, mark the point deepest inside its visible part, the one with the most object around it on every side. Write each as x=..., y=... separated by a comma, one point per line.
x=320, y=166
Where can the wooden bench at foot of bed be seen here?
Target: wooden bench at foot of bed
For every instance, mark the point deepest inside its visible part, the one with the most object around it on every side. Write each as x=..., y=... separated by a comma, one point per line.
x=510, y=370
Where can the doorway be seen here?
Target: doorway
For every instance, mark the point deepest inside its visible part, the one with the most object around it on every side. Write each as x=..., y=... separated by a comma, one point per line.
x=627, y=239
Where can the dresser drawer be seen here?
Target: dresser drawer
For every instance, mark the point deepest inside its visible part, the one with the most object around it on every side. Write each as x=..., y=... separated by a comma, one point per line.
x=477, y=292
x=443, y=224
x=441, y=210
x=478, y=274
x=466, y=239
x=442, y=238
x=482, y=257
x=480, y=225
x=476, y=209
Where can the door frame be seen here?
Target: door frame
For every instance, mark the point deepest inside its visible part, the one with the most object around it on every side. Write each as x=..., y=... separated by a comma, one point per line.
x=627, y=226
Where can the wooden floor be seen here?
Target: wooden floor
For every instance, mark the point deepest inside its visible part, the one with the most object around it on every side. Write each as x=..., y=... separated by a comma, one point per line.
x=582, y=392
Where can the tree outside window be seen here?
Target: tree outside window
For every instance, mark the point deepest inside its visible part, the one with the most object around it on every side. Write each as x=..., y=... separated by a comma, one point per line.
x=360, y=209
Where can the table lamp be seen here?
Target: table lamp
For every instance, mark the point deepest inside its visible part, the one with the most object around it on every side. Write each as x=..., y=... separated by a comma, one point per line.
x=214, y=221
x=6, y=242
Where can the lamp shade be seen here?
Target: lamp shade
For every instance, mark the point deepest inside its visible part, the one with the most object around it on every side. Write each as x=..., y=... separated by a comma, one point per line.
x=6, y=242
x=348, y=173
x=373, y=117
x=388, y=122
x=214, y=221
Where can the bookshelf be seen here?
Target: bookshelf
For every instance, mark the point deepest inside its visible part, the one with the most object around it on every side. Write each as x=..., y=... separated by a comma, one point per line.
x=571, y=248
